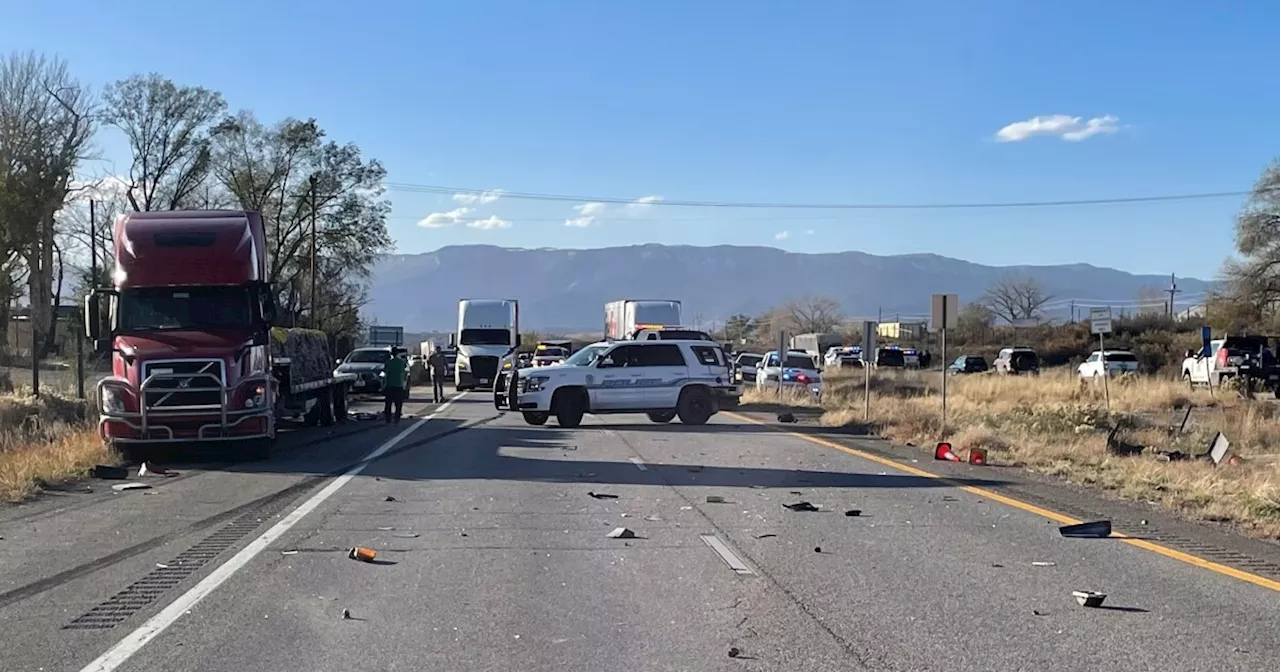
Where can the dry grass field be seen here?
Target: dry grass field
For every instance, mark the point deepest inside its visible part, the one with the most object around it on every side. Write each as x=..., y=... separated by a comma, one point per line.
x=45, y=440
x=1056, y=425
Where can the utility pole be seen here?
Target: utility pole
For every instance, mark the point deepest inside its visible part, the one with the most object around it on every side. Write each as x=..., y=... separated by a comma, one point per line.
x=1173, y=289
x=315, y=320
x=1073, y=311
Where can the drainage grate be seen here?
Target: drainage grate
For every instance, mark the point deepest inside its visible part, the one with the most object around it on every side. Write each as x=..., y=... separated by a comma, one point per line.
x=148, y=589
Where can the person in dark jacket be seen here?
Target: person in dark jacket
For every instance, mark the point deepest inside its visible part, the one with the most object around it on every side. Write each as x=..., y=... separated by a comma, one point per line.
x=396, y=372
x=438, y=367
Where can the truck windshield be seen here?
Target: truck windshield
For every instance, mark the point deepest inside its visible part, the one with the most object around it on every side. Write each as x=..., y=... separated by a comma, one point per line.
x=154, y=308
x=485, y=337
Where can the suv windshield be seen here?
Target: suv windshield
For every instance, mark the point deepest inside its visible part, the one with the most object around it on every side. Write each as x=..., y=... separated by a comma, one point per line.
x=153, y=308
x=368, y=357
x=485, y=337
x=586, y=356
x=551, y=352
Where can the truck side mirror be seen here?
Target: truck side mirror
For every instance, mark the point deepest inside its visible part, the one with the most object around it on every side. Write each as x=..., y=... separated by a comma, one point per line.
x=453, y=340
x=92, y=317
x=1190, y=354
x=267, y=304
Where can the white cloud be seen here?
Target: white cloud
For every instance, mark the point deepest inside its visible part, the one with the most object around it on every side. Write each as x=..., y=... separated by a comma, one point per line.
x=588, y=214
x=482, y=198
x=643, y=203
x=438, y=220
x=781, y=235
x=1069, y=128
x=808, y=232
x=490, y=222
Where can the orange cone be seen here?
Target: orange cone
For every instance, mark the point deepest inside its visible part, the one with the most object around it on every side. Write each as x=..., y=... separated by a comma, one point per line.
x=943, y=452
x=977, y=456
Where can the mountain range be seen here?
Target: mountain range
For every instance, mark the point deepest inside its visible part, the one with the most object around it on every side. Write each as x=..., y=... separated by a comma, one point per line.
x=565, y=290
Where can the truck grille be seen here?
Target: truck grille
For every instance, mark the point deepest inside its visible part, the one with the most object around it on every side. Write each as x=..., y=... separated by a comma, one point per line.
x=174, y=392
x=484, y=367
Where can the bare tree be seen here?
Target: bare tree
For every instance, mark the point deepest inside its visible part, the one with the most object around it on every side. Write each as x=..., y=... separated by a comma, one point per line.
x=46, y=125
x=1015, y=298
x=1152, y=301
x=1254, y=278
x=270, y=169
x=167, y=127
x=812, y=314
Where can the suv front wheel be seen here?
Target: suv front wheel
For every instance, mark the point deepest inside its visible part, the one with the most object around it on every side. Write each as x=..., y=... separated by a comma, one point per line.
x=662, y=416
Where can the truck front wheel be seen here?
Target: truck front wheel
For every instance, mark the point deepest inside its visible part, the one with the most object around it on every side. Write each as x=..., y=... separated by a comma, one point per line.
x=536, y=418
x=662, y=416
x=340, y=403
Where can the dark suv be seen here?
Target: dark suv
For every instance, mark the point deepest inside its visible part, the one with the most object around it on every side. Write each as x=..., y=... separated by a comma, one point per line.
x=1017, y=360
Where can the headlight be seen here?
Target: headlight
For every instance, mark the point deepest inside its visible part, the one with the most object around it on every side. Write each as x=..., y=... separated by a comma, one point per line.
x=462, y=366
x=535, y=383
x=257, y=399
x=112, y=400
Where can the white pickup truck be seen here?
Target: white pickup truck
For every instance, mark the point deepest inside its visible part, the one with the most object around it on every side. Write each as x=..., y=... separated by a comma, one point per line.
x=660, y=378
x=1226, y=356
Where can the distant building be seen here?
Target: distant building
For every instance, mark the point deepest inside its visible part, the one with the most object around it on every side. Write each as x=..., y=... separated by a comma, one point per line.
x=903, y=331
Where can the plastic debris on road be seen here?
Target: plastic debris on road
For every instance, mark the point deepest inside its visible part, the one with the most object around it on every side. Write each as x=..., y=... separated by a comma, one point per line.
x=601, y=495
x=121, y=487
x=147, y=469
x=1089, y=598
x=1098, y=529
x=802, y=506
x=621, y=533
x=362, y=554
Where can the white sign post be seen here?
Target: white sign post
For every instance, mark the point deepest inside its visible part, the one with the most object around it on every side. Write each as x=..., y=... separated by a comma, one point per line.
x=1100, y=324
x=782, y=359
x=946, y=315
x=869, y=349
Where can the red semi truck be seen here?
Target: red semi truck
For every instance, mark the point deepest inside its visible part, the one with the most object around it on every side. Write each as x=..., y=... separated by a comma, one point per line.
x=194, y=357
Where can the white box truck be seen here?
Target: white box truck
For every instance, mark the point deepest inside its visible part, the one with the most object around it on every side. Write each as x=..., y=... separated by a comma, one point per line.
x=622, y=318
x=488, y=330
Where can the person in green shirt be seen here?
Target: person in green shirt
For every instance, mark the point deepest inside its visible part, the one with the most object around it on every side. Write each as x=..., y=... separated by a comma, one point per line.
x=396, y=384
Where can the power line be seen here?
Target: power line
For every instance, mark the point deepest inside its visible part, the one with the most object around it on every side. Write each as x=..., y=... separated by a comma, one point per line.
x=535, y=196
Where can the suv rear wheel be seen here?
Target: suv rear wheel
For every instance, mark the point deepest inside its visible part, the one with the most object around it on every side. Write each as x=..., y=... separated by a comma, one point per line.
x=536, y=418
x=662, y=416
x=695, y=406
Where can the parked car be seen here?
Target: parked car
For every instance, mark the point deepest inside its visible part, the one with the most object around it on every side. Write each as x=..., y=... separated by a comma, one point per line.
x=889, y=357
x=795, y=368
x=745, y=366
x=1117, y=362
x=1017, y=360
x=969, y=364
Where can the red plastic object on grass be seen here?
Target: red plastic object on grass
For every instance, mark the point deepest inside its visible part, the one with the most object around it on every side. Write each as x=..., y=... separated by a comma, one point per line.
x=977, y=456
x=943, y=452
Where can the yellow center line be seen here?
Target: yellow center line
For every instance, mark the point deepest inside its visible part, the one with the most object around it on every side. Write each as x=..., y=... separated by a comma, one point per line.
x=1167, y=552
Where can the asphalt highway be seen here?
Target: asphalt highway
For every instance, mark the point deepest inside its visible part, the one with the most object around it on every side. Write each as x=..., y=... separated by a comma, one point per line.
x=493, y=554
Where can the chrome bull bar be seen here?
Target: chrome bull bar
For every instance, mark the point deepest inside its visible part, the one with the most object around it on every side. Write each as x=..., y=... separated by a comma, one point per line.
x=141, y=420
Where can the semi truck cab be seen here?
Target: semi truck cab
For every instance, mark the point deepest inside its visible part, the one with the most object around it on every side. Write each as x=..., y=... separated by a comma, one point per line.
x=488, y=331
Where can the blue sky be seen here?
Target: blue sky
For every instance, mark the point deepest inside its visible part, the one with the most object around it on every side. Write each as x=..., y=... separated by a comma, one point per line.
x=815, y=102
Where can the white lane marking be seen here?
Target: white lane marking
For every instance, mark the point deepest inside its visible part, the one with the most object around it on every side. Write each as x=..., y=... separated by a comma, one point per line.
x=639, y=463
x=134, y=641
x=735, y=563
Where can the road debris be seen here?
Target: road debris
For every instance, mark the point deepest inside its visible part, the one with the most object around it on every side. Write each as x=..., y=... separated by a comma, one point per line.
x=1043, y=564
x=121, y=487
x=147, y=469
x=734, y=652
x=104, y=471
x=406, y=535
x=766, y=535
x=1098, y=529
x=1219, y=449
x=715, y=499
x=362, y=554
x=787, y=418
x=621, y=533
x=385, y=529
x=853, y=513
x=802, y=506
x=601, y=495
x=389, y=498
x=161, y=565
x=289, y=552
x=817, y=549
x=346, y=614
x=1089, y=598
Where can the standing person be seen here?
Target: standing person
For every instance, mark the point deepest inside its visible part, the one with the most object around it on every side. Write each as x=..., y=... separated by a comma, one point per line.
x=396, y=371
x=438, y=368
